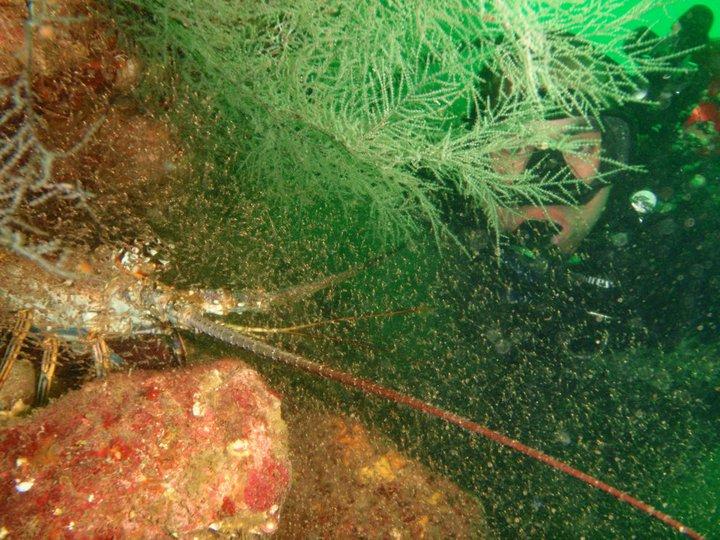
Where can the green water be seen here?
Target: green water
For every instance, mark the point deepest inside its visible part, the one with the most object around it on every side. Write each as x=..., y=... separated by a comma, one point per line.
x=664, y=15
x=619, y=382
x=641, y=414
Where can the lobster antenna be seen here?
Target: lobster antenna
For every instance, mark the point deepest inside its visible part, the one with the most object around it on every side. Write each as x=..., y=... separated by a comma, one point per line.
x=260, y=348
x=324, y=322
x=263, y=301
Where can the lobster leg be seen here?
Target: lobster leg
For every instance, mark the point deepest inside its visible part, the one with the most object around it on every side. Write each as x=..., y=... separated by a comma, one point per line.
x=101, y=355
x=177, y=347
x=19, y=333
x=47, y=370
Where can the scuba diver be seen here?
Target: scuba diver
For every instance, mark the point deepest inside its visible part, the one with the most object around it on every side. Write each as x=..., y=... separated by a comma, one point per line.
x=613, y=293
x=667, y=219
x=666, y=99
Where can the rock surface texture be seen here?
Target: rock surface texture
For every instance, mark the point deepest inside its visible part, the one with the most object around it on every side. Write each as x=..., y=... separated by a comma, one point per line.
x=198, y=451
x=351, y=482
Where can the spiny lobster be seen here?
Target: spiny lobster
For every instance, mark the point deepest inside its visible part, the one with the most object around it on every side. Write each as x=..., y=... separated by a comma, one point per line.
x=115, y=297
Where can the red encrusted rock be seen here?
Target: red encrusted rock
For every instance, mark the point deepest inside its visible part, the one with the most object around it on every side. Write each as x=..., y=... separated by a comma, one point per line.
x=148, y=454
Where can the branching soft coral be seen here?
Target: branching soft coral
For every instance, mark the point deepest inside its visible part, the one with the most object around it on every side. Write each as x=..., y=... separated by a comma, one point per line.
x=27, y=177
x=577, y=56
x=384, y=103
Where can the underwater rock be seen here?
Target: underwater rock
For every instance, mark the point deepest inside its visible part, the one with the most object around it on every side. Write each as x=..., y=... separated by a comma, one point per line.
x=11, y=39
x=350, y=482
x=66, y=37
x=199, y=451
x=133, y=149
x=18, y=389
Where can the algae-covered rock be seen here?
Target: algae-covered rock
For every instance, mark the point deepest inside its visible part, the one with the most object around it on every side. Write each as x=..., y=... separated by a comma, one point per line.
x=18, y=388
x=350, y=482
x=195, y=451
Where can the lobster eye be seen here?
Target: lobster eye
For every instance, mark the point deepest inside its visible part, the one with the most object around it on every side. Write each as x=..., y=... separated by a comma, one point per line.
x=217, y=301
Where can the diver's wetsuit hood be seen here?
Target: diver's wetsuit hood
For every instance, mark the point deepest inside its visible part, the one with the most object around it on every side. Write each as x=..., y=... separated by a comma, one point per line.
x=692, y=28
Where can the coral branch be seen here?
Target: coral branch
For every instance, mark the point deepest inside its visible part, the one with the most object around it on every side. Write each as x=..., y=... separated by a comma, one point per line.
x=28, y=178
